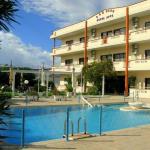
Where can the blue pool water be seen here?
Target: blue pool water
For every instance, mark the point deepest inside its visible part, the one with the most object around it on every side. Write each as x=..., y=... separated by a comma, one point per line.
x=46, y=123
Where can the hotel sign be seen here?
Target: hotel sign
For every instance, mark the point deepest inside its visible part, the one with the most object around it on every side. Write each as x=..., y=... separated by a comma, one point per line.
x=105, y=15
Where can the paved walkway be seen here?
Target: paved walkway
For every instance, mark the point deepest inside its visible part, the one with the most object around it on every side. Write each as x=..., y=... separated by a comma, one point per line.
x=20, y=102
x=128, y=139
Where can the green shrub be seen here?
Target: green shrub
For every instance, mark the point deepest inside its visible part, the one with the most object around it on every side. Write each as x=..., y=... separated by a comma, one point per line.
x=32, y=93
x=50, y=94
x=84, y=93
x=93, y=90
x=69, y=88
x=6, y=88
x=55, y=91
x=62, y=93
x=5, y=96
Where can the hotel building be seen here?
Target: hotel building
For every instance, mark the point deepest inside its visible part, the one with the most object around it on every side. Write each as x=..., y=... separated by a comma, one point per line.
x=121, y=35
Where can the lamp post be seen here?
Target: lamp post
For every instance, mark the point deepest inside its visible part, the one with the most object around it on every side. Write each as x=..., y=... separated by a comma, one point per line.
x=38, y=82
x=42, y=76
x=26, y=82
x=81, y=82
x=73, y=81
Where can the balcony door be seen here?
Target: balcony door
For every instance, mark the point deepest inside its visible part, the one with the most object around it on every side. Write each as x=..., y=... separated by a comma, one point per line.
x=147, y=54
x=68, y=62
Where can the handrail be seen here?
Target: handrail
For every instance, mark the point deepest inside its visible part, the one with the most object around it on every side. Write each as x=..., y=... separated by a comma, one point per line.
x=99, y=37
x=72, y=128
x=85, y=101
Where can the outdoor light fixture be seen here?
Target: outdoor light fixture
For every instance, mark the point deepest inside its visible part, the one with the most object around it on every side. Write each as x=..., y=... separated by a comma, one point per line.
x=26, y=82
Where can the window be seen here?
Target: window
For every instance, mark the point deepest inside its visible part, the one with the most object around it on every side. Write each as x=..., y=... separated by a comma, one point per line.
x=147, y=83
x=68, y=62
x=122, y=30
x=93, y=53
x=106, y=34
x=69, y=43
x=82, y=40
x=106, y=57
x=109, y=33
x=80, y=81
x=135, y=22
x=119, y=31
x=81, y=61
x=93, y=32
x=147, y=24
x=147, y=54
x=119, y=56
x=103, y=35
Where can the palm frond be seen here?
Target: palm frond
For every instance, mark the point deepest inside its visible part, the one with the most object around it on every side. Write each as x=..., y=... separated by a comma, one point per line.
x=8, y=8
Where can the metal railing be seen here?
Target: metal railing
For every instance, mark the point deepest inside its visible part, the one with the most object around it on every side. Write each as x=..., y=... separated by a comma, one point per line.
x=86, y=101
x=99, y=38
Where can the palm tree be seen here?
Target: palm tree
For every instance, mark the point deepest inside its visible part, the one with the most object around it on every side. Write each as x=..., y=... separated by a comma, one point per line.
x=4, y=107
x=7, y=13
x=8, y=8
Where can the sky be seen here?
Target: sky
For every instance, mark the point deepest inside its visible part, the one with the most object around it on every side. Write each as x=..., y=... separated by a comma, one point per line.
x=28, y=43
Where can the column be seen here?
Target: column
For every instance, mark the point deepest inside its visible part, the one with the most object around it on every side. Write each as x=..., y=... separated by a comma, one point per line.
x=103, y=85
x=47, y=80
x=38, y=83
x=54, y=45
x=21, y=79
x=73, y=81
x=127, y=52
x=85, y=44
x=13, y=84
x=85, y=49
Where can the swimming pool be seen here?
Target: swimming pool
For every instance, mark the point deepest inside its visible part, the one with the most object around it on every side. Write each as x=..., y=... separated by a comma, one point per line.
x=46, y=123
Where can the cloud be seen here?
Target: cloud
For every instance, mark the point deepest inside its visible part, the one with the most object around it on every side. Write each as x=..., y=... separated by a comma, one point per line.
x=70, y=11
x=12, y=48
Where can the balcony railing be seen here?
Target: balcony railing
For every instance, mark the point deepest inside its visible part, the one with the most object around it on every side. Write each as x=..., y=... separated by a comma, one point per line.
x=94, y=43
x=134, y=65
x=67, y=68
x=139, y=64
x=142, y=93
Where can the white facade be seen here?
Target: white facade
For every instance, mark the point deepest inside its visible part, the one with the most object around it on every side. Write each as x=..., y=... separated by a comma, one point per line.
x=106, y=38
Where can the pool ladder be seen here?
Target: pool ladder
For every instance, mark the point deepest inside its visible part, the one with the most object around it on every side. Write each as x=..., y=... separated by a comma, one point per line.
x=72, y=127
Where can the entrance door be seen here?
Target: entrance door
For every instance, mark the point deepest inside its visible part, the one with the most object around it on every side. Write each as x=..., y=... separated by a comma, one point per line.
x=114, y=85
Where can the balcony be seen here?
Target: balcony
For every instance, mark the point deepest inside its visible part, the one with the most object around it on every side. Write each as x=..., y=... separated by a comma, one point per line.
x=141, y=93
x=139, y=35
x=139, y=64
x=134, y=65
x=67, y=69
x=93, y=43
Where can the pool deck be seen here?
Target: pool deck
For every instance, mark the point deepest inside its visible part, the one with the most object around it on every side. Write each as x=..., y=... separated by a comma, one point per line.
x=20, y=102
x=126, y=139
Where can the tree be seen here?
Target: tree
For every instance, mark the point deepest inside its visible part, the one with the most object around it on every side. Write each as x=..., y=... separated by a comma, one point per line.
x=69, y=87
x=93, y=72
x=4, y=107
x=8, y=8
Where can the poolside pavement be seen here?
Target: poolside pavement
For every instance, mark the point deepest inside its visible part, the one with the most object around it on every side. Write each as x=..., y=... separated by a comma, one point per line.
x=126, y=139
x=20, y=102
